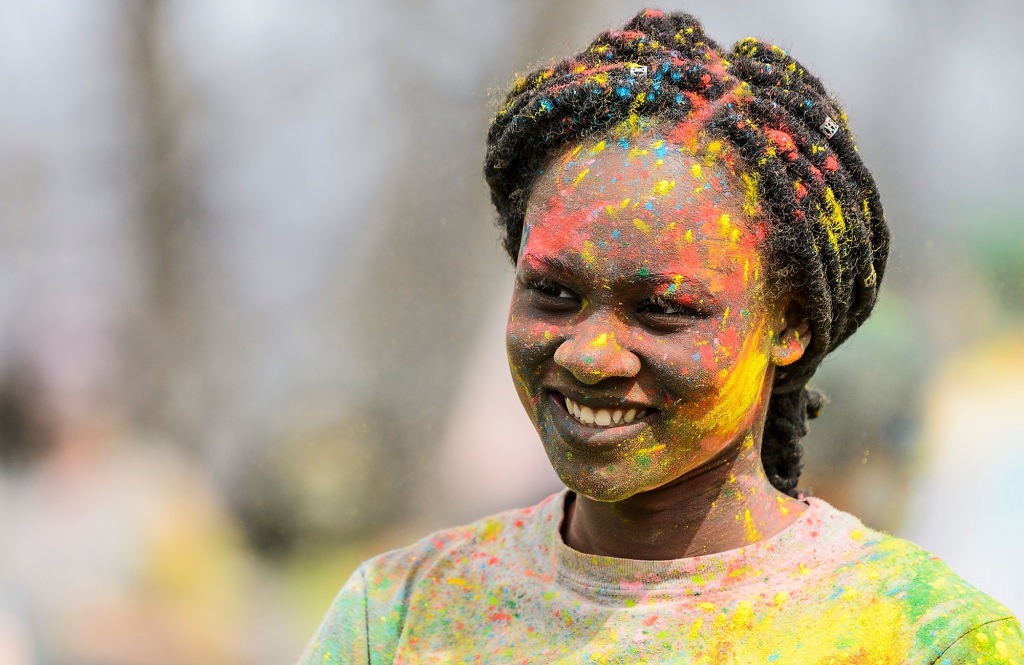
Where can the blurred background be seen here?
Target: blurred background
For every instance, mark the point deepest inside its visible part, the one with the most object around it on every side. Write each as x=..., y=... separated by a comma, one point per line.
x=252, y=300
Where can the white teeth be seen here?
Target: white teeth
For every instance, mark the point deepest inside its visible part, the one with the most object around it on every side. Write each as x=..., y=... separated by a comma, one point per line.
x=602, y=417
x=587, y=415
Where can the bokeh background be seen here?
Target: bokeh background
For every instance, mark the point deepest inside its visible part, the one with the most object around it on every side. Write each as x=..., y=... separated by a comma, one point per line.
x=252, y=300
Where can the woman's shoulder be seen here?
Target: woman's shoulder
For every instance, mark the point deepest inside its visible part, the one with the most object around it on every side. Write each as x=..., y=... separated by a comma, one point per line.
x=509, y=537
x=876, y=567
x=878, y=554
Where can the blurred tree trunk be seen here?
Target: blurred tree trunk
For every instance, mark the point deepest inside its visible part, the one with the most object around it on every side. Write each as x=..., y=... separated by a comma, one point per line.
x=437, y=259
x=163, y=381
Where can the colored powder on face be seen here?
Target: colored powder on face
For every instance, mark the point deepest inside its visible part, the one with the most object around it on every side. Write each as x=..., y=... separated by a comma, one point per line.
x=588, y=251
x=641, y=225
x=741, y=390
x=663, y=187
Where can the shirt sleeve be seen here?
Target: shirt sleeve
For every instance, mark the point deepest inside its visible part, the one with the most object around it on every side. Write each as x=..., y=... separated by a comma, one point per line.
x=993, y=643
x=342, y=638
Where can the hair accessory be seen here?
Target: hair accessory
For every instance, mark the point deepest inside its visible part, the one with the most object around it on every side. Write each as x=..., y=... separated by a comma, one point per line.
x=829, y=127
x=638, y=71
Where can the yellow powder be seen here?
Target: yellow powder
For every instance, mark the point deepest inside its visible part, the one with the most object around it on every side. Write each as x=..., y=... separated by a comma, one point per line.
x=588, y=251
x=663, y=187
x=750, y=528
x=832, y=218
x=741, y=390
x=751, y=197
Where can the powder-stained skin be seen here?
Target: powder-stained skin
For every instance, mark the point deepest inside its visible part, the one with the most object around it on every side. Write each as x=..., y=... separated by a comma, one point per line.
x=640, y=287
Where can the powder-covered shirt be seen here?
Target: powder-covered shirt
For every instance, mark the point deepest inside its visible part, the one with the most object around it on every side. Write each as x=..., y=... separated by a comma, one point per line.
x=506, y=589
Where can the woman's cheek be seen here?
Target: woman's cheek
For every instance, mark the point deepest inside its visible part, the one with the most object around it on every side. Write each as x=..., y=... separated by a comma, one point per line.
x=739, y=375
x=717, y=377
x=688, y=368
x=528, y=343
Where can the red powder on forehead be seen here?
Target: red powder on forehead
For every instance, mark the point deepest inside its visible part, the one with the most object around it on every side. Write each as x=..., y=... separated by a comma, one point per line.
x=562, y=229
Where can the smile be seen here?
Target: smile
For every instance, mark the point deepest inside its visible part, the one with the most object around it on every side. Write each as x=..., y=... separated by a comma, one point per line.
x=602, y=417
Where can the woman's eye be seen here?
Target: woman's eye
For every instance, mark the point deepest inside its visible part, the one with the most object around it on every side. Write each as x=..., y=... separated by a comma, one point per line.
x=659, y=308
x=555, y=293
x=664, y=308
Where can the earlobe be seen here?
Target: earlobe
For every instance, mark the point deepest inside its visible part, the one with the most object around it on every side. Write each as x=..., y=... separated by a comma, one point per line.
x=790, y=345
x=793, y=336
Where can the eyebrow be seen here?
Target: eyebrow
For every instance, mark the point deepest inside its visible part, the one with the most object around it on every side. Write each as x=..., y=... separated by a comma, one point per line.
x=570, y=268
x=553, y=264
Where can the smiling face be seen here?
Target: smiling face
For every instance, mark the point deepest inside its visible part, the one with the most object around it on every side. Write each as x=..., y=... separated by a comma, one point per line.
x=640, y=337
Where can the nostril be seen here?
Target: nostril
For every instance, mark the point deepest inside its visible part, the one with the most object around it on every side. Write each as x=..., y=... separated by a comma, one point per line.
x=599, y=359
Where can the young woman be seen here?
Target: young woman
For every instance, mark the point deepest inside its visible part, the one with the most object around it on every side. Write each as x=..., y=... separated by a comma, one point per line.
x=693, y=231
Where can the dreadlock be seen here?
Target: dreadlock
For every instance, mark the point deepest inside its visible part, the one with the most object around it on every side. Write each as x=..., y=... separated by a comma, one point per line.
x=827, y=240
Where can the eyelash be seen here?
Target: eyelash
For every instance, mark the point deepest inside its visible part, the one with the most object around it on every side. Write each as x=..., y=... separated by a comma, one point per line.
x=545, y=287
x=659, y=301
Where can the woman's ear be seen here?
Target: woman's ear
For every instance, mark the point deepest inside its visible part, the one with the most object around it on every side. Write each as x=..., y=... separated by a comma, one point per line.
x=792, y=334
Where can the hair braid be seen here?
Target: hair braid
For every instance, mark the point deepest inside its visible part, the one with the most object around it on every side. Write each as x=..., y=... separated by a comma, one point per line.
x=827, y=240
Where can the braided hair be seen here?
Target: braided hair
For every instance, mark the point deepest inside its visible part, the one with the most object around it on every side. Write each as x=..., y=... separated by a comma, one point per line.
x=827, y=239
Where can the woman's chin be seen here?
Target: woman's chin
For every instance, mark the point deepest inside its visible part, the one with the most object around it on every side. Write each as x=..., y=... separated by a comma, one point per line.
x=606, y=484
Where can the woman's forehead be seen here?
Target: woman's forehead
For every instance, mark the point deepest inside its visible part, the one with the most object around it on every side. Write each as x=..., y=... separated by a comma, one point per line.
x=647, y=171
x=645, y=184
x=614, y=208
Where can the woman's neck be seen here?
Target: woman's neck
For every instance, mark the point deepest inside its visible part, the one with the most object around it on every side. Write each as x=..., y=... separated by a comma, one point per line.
x=725, y=505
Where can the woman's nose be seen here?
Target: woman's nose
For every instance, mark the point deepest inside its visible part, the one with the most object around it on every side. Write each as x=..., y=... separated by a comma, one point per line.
x=596, y=356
